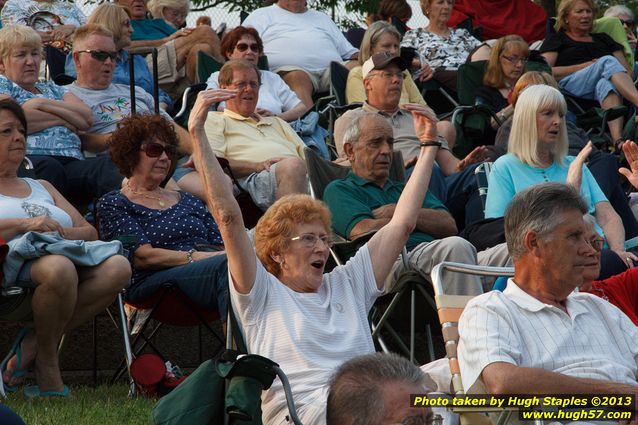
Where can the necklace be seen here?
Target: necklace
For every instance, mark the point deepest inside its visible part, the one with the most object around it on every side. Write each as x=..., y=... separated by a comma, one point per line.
x=146, y=195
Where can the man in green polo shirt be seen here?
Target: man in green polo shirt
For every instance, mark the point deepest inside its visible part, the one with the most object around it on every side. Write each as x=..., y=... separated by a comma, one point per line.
x=365, y=200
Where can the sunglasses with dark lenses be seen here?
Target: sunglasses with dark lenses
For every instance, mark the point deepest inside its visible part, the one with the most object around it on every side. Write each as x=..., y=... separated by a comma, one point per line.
x=100, y=55
x=154, y=150
x=629, y=23
x=242, y=47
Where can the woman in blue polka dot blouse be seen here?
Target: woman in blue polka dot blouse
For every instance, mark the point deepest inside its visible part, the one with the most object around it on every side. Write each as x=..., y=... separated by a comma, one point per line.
x=168, y=224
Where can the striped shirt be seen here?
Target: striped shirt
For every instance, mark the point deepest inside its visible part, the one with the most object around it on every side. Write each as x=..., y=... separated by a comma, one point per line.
x=593, y=340
x=308, y=334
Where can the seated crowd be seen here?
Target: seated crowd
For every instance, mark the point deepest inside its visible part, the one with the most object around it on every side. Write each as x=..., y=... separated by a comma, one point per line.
x=556, y=208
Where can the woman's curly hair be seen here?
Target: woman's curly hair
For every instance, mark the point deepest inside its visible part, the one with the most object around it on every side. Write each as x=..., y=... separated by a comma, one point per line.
x=131, y=133
x=276, y=226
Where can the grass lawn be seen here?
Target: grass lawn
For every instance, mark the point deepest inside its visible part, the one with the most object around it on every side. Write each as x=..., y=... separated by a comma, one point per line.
x=86, y=405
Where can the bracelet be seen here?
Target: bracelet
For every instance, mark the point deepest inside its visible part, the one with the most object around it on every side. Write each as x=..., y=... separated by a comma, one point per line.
x=189, y=255
x=430, y=143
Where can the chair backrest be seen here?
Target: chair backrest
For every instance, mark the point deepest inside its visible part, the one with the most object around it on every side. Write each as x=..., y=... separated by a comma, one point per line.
x=188, y=100
x=469, y=78
x=338, y=81
x=450, y=308
x=482, y=173
x=321, y=172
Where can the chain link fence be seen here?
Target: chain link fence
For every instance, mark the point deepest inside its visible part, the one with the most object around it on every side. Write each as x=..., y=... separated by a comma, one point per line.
x=220, y=15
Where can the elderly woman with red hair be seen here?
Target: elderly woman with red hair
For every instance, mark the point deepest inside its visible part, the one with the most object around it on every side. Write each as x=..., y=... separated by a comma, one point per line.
x=288, y=309
x=275, y=97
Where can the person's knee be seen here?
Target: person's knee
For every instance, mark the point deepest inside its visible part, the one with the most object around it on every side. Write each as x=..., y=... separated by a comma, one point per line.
x=116, y=272
x=459, y=248
x=291, y=168
x=297, y=77
x=54, y=273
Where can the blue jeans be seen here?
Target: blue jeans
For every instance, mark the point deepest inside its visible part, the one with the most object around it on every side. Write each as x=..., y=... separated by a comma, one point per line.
x=593, y=82
x=205, y=282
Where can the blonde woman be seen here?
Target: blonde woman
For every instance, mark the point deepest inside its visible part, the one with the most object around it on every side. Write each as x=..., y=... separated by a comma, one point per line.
x=537, y=153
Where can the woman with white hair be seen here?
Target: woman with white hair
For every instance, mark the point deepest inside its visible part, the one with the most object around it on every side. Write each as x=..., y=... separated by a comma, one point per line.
x=626, y=17
x=537, y=153
x=173, y=12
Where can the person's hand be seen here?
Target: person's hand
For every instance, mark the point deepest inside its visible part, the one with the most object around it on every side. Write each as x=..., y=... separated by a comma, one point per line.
x=264, y=112
x=267, y=163
x=478, y=154
x=631, y=39
x=385, y=211
x=205, y=99
x=425, y=72
x=62, y=32
x=424, y=121
x=575, y=171
x=43, y=223
x=631, y=154
x=180, y=33
x=627, y=257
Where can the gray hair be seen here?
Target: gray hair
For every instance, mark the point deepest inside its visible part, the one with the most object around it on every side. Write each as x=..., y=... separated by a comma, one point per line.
x=355, y=395
x=538, y=208
x=618, y=10
x=353, y=131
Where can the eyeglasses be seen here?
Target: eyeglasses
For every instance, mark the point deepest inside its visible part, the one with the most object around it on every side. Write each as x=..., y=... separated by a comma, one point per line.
x=242, y=85
x=242, y=47
x=430, y=419
x=154, y=150
x=596, y=243
x=390, y=75
x=100, y=55
x=516, y=59
x=629, y=23
x=309, y=240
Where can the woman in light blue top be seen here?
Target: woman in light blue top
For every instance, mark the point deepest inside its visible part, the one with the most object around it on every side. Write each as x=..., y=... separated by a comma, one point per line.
x=537, y=153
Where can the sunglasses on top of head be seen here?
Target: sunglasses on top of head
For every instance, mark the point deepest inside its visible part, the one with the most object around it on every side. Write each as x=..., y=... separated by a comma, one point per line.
x=154, y=150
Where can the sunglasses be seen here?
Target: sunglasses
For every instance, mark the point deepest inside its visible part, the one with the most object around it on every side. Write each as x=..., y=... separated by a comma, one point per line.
x=154, y=150
x=242, y=47
x=628, y=23
x=100, y=55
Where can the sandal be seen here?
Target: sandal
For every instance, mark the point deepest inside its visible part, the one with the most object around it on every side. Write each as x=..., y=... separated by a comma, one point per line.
x=33, y=391
x=16, y=372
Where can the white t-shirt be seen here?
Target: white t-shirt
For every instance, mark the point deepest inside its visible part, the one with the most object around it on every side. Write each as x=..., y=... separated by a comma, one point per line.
x=595, y=340
x=308, y=334
x=274, y=94
x=309, y=40
x=38, y=203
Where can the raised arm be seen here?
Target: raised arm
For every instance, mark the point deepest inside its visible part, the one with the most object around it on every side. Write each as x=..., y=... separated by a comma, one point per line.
x=388, y=242
x=219, y=197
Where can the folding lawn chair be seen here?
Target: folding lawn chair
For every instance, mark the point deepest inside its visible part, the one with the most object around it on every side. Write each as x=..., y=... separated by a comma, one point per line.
x=450, y=308
x=411, y=283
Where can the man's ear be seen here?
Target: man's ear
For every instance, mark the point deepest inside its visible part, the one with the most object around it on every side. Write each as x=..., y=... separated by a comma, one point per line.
x=349, y=151
x=276, y=258
x=367, y=86
x=532, y=241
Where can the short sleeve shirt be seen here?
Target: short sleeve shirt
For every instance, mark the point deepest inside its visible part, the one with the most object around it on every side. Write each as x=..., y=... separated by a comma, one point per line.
x=438, y=51
x=353, y=199
x=21, y=12
x=178, y=228
x=57, y=140
x=571, y=52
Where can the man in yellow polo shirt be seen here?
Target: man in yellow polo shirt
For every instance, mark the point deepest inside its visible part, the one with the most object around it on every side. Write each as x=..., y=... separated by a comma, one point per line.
x=264, y=153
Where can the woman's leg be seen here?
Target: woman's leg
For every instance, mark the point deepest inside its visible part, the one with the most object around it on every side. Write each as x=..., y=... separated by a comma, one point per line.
x=205, y=282
x=53, y=302
x=615, y=127
x=97, y=288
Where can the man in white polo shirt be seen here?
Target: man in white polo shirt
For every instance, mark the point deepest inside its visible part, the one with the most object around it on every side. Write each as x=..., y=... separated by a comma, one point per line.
x=538, y=336
x=300, y=44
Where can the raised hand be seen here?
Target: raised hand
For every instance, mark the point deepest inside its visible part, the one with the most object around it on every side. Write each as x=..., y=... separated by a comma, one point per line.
x=575, y=172
x=631, y=154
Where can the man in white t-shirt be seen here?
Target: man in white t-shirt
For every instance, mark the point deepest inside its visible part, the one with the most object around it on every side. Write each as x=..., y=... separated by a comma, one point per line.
x=538, y=336
x=300, y=44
